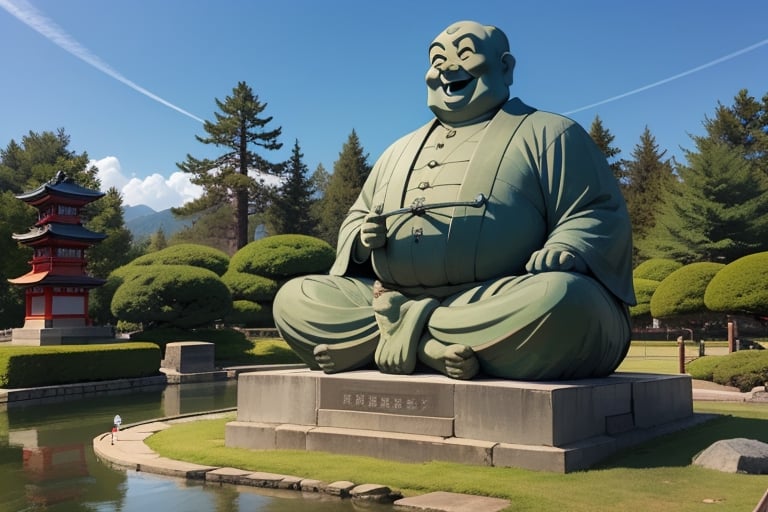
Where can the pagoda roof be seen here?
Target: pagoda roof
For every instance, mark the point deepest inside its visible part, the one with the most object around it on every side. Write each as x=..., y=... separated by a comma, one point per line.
x=61, y=185
x=60, y=231
x=46, y=278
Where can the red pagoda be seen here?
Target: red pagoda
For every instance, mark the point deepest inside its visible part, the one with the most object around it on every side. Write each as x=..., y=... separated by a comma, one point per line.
x=57, y=286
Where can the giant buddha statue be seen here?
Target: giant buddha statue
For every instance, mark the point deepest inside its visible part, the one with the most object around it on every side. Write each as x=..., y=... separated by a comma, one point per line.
x=492, y=241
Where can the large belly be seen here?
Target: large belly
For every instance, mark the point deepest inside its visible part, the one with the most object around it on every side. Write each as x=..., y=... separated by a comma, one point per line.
x=450, y=246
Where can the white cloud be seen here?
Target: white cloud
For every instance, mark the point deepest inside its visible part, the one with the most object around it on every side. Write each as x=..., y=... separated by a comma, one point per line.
x=154, y=191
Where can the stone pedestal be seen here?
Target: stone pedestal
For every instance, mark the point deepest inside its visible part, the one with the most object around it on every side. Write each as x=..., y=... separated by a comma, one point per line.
x=552, y=426
x=190, y=361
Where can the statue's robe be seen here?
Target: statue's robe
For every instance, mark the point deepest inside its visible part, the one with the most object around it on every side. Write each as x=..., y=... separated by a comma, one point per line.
x=547, y=186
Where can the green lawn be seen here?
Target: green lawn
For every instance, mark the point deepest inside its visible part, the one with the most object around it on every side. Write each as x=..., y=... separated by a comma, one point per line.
x=654, y=476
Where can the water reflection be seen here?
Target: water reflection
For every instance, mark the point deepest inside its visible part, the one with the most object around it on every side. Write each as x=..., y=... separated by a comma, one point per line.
x=47, y=461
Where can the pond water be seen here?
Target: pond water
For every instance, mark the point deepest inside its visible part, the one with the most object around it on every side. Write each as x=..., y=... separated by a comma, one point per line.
x=47, y=461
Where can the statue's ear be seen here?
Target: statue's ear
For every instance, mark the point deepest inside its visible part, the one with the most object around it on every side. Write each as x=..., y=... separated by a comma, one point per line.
x=508, y=63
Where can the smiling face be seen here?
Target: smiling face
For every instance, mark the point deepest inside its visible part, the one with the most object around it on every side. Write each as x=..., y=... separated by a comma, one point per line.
x=470, y=72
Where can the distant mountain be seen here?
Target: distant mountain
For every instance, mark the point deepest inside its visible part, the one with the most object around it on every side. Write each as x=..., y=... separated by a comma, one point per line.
x=142, y=221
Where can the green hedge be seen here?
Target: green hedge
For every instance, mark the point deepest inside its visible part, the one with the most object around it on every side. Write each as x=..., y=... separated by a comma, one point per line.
x=745, y=369
x=23, y=367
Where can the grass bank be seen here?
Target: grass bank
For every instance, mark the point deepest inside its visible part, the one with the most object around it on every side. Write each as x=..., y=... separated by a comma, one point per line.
x=654, y=476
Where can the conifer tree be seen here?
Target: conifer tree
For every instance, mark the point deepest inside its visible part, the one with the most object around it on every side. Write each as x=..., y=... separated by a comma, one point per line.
x=344, y=185
x=719, y=209
x=158, y=241
x=290, y=211
x=604, y=138
x=115, y=250
x=718, y=212
x=226, y=180
x=319, y=180
x=648, y=174
x=744, y=125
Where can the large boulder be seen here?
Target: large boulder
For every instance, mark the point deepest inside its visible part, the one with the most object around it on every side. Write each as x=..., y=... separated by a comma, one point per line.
x=738, y=455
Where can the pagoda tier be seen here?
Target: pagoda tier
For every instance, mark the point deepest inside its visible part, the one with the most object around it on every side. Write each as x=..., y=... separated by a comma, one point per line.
x=57, y=286
x=61, y=190
x=59, y=250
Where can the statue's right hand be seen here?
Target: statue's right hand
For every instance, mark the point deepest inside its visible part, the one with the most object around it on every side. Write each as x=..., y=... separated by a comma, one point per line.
x=373, y=232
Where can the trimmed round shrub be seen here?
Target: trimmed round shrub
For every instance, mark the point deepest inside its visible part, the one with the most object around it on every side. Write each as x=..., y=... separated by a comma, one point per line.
x=740, y=287
x=195, y=255
x=250, y=286
x=743, y=370
x=703, y=368
x=250, y=314
x=682, y=292
x=283, y=256
x=644, y=289
x=655, y=269
x=175, y=295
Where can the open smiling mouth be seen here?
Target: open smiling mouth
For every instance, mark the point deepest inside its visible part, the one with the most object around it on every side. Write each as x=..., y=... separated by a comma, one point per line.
x=456, y=87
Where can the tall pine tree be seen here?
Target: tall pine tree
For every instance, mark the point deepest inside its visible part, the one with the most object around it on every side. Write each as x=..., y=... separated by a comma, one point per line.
x=604, y=138
x=226, y=180
x=742, y=125
x=344, y=185
x=648, y=174
x=290, y=211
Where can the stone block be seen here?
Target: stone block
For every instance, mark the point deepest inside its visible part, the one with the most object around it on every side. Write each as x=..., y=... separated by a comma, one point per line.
x=662, y=399
x=189, y=357
x=575, y=457
x=538, y=413
x=291, y=437
x=401, y=447
x=288, y=396
x=386, y=422
x=266, y=480
x=253, y=436
x=374, y=392
x=453, y=502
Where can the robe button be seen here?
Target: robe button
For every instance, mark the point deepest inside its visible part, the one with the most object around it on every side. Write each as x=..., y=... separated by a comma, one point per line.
x=450, y=134
x=433, y=163
x=424, y=185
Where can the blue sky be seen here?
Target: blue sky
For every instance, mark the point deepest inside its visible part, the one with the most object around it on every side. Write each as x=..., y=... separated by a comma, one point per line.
x=131, y=80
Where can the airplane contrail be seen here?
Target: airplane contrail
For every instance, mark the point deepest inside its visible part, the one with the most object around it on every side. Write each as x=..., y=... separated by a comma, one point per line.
x=33, y=18
x=673, y=77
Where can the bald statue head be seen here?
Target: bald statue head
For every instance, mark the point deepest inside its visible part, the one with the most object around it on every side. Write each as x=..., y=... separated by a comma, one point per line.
x=469, y=74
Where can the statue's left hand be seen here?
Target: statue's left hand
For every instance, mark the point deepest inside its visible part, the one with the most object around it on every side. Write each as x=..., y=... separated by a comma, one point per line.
x=550, y=260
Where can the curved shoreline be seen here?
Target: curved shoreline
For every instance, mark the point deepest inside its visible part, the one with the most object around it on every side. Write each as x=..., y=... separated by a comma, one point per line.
x=131, y=453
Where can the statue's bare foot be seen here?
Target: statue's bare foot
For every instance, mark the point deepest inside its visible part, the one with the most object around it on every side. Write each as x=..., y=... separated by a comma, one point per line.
x=343, y=356
x=460, y=362
x=401, y=321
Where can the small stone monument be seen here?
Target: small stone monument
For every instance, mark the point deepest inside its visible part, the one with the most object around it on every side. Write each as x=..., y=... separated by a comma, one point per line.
x=190, y=361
